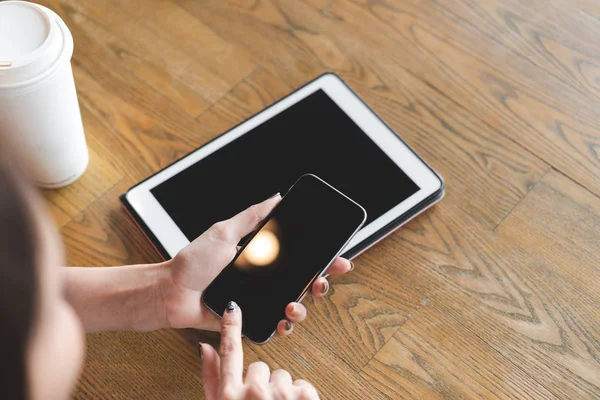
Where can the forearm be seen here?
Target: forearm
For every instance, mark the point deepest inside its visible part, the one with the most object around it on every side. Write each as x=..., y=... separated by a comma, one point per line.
x=117, y=298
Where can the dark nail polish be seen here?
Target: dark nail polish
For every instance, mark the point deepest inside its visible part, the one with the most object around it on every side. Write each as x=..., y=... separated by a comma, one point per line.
x=325, y=287
x=351, y=266
x=232, y=306
x=200, y=350
x=288, y=325
x=273, y=195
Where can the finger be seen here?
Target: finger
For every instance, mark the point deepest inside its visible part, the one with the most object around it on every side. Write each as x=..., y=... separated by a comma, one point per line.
x=307, y=389
x=235, y=228
x=232, y=354
x=320, y=287
x=284, y=328
x=295, y=312
x=210, y=370
x=340, y=266
x=281, y=377
x=258, y=372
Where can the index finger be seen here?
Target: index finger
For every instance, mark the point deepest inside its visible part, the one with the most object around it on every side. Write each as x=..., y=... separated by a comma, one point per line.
x=232, y=353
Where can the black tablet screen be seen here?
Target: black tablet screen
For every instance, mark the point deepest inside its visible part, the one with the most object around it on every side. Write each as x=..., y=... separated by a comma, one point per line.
x=313, y=136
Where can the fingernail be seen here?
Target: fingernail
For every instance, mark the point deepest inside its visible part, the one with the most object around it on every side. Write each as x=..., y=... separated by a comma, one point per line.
x=325, y=287
x=232, y=306
x=273, y=195
x=288, y=325
x=200, y=350
x=351, y=266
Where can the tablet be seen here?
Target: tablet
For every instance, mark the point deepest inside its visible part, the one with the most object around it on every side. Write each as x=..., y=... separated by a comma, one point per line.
x=323, y=128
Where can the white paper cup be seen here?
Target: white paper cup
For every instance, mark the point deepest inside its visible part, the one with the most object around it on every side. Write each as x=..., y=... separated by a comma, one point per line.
x=39, y=113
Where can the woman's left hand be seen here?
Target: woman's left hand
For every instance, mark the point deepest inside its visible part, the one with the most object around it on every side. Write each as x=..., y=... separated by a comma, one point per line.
x=194, y=267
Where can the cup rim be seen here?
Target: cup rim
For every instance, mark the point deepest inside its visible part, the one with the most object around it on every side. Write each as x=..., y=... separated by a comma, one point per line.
x=65, y=53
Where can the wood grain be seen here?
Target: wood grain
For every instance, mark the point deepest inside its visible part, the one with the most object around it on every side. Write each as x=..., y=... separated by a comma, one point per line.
x=432, y=357
x=491, y=294
x=559, y=222
x=258, y=91
x=589, y=7
x=105, y=235
x=544, y=327
x=100, y=176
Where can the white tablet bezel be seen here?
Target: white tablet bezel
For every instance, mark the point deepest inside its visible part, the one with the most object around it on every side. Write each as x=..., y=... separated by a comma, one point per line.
x=172, y=238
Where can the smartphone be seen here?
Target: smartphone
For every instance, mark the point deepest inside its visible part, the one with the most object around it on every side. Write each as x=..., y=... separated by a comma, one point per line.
x=290, y=249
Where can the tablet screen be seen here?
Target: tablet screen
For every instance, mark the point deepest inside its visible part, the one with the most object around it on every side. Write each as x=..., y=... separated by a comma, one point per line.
x=312, y=136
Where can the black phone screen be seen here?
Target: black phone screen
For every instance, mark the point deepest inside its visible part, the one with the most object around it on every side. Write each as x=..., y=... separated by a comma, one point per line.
x=287, y=253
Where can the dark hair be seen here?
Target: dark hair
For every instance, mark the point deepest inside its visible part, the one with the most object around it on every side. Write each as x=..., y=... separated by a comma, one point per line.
x=18, y=278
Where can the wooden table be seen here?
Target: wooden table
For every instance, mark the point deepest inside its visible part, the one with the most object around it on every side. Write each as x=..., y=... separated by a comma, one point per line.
x=494, y=293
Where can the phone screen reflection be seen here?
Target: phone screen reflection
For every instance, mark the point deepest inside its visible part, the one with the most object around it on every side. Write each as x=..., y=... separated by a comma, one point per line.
x=263, y=250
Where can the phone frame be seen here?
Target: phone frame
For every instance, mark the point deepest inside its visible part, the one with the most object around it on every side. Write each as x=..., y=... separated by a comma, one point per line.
x=317, y=276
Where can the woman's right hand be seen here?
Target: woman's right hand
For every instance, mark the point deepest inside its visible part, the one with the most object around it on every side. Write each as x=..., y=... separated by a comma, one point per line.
x=223, y=375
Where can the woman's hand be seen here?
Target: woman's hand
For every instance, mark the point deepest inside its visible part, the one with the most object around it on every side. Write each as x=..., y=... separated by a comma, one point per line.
x=190, y=272
x=223, y=376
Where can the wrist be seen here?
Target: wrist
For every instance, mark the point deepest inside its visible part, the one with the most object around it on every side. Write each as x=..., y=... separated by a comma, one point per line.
x=181, y=297
x=142, y=291
x=162, y=288
x=118, y=298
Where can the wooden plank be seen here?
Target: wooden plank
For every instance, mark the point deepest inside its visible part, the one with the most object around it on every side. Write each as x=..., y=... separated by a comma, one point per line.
x=564, y=18
x=433, y=356
x=135, y=140
x=326, y=369
x=493, y=288
x=127, y=365
x=141, y=55
x=258, y=91
x=104, y=235
x=179, y=30
x=320, y=4
x=267, y=35
x=559, y=223
x=590, y=7
x=521, y=39
x=100, y=176
x=354, y=320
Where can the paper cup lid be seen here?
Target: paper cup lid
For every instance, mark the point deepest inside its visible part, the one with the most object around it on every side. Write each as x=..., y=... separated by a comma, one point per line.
x=32, y=40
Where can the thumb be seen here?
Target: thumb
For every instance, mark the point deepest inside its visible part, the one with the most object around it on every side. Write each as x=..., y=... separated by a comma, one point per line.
x=211, y=365
x=240, y=225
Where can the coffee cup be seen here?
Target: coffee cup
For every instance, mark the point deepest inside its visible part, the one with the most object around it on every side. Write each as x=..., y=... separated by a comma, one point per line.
x=39, y=113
